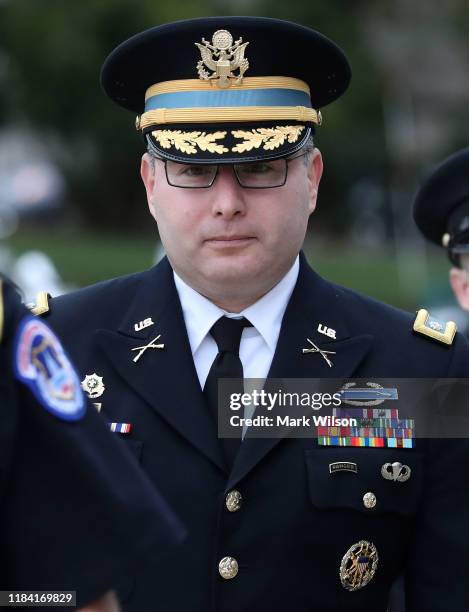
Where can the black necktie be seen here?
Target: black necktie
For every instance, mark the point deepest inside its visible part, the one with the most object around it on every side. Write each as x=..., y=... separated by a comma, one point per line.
x=227, y=364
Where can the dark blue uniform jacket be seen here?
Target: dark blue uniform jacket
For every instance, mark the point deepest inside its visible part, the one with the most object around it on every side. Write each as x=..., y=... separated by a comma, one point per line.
x=295, y=522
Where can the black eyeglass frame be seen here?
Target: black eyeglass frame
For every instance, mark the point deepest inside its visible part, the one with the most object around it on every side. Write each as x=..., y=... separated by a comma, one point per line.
x=233, y=166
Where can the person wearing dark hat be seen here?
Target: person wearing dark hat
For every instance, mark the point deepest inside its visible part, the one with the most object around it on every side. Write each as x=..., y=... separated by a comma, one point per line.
x=441, y=212
x=227, y=107
x=77, y=514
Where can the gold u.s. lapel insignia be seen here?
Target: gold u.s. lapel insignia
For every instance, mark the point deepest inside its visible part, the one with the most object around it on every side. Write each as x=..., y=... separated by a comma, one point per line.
x=93, y=385
x=151, y=345
x=358, y=565
x=429, y=326
x=222, y=57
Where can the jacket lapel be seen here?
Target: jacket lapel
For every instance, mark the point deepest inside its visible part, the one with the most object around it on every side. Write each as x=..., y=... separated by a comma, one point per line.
x=314, y=301
x=164, y=377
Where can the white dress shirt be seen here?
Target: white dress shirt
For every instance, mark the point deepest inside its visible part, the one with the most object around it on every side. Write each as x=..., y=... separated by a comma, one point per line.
x=258, y=343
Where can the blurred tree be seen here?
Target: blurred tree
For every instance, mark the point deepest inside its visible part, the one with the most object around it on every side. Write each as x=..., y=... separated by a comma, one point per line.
x=55, y=50
x=351, y=138
x=51, y=52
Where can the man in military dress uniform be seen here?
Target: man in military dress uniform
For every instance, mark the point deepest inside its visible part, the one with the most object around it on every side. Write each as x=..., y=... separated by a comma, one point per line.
x=441, y=212
x=227, y=108
x=77, y=514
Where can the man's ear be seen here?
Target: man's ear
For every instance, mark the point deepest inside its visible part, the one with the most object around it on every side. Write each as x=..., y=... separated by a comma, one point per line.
x=147, y=172
x=459, y=281
x=315, y=170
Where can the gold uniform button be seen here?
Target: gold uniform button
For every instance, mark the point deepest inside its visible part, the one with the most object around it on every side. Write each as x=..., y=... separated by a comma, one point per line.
x=233, y=501
x=228, y=568
x=369, y=500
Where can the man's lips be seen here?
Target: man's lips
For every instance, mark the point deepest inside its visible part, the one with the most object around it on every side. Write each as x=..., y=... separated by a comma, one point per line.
x=227, y=240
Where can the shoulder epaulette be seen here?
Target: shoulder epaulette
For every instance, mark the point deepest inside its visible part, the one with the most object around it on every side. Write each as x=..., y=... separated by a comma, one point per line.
x=41, y=306
x=432, y=328
x=2, y=311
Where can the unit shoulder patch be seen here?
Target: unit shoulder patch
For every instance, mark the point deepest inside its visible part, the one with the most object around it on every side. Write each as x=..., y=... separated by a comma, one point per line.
x=41, y=306
x=41, y=363
x=432, y=328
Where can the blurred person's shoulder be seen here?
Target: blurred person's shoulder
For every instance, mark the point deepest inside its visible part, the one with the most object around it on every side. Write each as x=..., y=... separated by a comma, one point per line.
x=11, y=309
x=97, y=304
x=418, y=343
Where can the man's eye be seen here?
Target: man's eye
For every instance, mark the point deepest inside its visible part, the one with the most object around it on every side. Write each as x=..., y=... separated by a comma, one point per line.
x=257, y=168
x=194, y=171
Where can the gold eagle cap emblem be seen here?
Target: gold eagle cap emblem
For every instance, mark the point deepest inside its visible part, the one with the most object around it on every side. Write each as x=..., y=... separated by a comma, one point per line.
x=222, y=57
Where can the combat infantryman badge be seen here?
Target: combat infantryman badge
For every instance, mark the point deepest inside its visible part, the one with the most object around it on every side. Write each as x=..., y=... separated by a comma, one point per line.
x=223, y=58
x=93, y=385
x=358, y=565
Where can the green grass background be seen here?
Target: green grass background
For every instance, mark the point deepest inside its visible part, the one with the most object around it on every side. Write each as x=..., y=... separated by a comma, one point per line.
x=86, y=258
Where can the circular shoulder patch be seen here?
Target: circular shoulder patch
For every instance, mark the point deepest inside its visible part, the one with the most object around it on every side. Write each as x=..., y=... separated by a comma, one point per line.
x=42, y=365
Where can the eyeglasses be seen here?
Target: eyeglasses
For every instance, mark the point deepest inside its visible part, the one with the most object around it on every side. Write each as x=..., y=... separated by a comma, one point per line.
x=251, y=175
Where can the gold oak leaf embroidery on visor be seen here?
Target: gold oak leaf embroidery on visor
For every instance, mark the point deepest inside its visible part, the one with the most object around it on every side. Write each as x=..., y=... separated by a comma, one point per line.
x=187, y=142
x=268, y=138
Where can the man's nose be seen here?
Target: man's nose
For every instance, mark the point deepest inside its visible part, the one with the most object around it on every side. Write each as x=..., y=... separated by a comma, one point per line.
x=228, y=195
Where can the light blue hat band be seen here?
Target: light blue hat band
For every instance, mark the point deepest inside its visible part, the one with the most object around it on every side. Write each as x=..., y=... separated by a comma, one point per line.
x=229, y=98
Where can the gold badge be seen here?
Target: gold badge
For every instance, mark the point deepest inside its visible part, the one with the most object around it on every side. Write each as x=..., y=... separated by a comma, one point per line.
x=222, y=57
x=358, y=565
x=428, y=326
x=93, y=385
x=42, y=304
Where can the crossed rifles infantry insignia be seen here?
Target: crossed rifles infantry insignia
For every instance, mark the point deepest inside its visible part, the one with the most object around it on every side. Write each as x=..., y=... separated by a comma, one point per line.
x=223, y=58
x=151, y=345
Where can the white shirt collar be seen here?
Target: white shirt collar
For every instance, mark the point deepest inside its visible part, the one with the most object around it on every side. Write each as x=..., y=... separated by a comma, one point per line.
x=266, y=314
